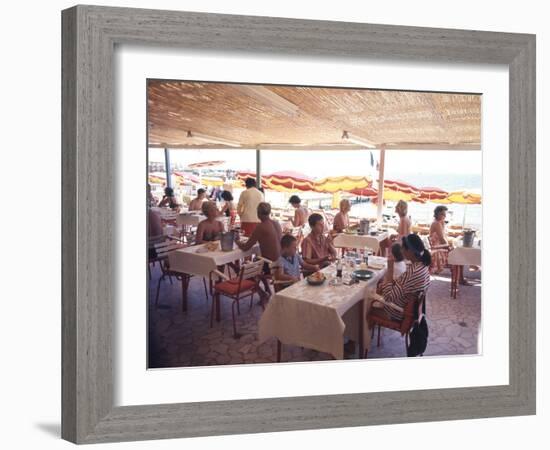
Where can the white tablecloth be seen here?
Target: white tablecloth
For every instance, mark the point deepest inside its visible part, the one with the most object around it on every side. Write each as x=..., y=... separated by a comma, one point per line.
x=344, y=240
x=317, y=317
x=464, y=256
x=189, y=219
x=187, y=260
x=193, y=219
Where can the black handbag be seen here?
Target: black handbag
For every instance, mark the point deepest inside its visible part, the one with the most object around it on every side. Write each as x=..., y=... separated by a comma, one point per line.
x=418, y=337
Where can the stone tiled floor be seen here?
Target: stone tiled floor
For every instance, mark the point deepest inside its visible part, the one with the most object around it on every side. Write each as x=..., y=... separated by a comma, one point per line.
x=179, y=339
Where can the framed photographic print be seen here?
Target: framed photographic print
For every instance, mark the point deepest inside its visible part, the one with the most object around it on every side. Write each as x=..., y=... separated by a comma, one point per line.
x=268, y=230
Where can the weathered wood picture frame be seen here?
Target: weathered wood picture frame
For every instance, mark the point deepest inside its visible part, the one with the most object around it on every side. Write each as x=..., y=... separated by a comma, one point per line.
x=90, y=34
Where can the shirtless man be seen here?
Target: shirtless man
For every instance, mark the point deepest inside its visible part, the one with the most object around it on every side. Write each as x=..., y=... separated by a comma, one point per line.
x=196, y=203
x=268, y=234
x=300, y=215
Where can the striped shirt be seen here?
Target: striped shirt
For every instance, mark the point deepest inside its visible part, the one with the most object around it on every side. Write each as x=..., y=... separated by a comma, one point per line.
x=415, y=279
x=317, y=247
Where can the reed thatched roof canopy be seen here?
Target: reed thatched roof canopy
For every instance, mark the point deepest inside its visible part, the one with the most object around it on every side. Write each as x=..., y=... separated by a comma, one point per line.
x=221, y=115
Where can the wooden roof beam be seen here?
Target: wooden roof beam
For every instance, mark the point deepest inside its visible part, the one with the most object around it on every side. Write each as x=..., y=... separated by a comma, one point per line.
x=269, y=98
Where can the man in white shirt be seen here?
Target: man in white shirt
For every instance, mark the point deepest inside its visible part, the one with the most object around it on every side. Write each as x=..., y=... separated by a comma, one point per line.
x=248, y=206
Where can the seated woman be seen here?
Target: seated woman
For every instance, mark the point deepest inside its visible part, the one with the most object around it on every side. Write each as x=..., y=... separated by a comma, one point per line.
x=300, y=213
x=414, y=280
x=438, y=240
x=317, y=248
x=169, y=199
x=290, y=263
x=209, y=229
x=228, y=208
x=341, y=219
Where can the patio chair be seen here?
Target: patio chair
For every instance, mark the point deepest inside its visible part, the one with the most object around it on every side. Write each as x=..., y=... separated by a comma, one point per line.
x=243, y=286
x=440, y=255
x=152, y=254
x=163, y=250
x=187, y=232
x=168, y=217
x=377, y=317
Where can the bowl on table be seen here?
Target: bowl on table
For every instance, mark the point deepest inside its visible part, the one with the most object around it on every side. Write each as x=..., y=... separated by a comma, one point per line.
x=362, y=274
x=316, y=279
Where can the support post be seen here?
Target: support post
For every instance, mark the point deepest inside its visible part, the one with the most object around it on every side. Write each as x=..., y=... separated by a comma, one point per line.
x=167, y=167
x=381, y=184
x=258, y=168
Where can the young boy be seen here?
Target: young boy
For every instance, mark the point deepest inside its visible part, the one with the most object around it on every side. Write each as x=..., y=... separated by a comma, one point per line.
x=290, y=263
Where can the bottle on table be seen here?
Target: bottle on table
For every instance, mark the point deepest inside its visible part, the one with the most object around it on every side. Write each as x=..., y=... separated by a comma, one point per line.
x=339, y=268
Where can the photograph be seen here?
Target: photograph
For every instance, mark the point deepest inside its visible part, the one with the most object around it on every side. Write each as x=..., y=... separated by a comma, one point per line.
x=292, y=224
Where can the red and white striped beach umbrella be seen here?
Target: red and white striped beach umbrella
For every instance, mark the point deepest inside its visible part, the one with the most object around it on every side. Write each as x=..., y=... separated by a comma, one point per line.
x=395, y=190
x=431, y=194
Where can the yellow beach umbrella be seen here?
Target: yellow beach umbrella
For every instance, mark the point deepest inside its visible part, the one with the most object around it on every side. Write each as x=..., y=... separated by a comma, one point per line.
x=342, y=183
x=212, y=181
x=466, y=197
x=157, y=178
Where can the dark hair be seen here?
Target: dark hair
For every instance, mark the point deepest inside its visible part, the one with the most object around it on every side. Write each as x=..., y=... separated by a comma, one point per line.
x=168, y=191
x=439, y=209
x=201, y=191
x=286, y=240
x=413, y=243
x=227, y=196
x=261, y=189
x=396, y=252
x=263, y=209
x=294, y=199
x=250, y=182
x=314, y=219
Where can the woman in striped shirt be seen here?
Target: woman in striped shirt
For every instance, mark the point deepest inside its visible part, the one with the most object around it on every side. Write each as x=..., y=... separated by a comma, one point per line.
x=415, y=279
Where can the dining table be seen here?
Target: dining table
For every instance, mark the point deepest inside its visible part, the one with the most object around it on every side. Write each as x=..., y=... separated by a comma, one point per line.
x=360, y=241
x=190, y=219
x=198, y=260
x=321, y=317
x=459, y=257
